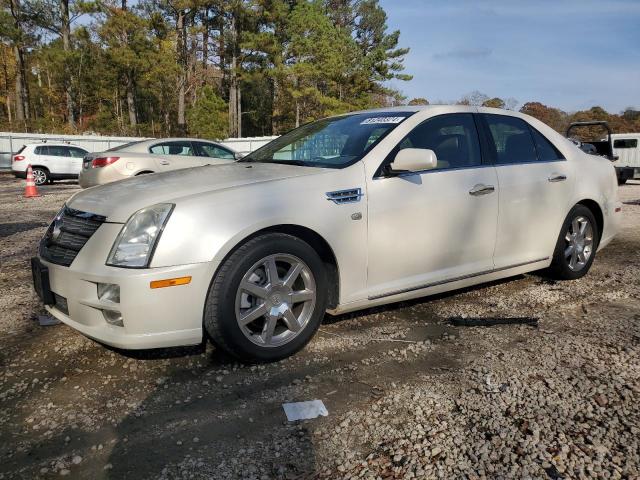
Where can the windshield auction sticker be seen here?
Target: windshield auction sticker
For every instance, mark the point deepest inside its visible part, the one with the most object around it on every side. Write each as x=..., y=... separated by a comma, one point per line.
x=377, y=120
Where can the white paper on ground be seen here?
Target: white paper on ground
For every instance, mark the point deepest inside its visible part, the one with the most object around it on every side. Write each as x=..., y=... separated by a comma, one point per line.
x=46, y=320
x=304, y=410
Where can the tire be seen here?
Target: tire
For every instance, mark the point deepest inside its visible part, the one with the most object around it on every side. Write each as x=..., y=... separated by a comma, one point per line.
x=622, y=181
x=567, y=265
x=40, y=176
x=297, y=318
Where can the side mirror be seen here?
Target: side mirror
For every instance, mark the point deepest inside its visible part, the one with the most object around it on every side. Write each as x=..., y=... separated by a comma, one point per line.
x=414, y=160
x=239, y=155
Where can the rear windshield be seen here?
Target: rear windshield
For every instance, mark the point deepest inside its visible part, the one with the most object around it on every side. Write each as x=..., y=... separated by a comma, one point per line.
x=126, y=145
x=21, y=149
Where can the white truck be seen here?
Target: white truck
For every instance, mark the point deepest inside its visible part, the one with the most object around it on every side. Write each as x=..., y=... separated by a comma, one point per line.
x=626, y=146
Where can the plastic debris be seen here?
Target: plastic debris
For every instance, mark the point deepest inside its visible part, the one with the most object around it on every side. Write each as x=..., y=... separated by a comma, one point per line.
x=46, y=320
x=305, y=410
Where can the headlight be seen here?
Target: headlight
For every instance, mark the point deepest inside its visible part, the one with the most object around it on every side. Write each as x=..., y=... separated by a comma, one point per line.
x=137, y=240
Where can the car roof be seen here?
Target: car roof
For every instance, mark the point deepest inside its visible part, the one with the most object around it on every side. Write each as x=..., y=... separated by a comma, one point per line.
x=53, y=144
x=141, y=146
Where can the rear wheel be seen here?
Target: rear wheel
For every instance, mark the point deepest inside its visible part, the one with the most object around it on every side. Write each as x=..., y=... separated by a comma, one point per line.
x=40, y=175
x=576, y=246
x=267, y=299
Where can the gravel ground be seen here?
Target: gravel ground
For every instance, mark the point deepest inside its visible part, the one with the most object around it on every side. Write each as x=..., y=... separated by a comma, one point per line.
x=409, y=395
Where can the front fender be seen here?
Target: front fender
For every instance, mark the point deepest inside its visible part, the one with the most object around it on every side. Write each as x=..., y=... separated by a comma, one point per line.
x=206, y=227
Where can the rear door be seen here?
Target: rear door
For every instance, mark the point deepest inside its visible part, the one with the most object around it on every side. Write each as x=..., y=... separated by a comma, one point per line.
x=535, y=185
x=175, y=154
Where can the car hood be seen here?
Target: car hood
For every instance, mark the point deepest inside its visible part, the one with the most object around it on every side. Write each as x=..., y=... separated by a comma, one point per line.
x=119, y=200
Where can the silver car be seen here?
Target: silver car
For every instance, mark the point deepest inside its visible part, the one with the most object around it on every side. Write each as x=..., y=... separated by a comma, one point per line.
x=151, y=156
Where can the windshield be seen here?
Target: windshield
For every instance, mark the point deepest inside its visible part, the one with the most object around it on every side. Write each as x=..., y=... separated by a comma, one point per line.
x=329, y=143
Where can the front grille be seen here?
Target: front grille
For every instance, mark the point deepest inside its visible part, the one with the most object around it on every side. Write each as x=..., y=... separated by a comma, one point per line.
x=67, y=234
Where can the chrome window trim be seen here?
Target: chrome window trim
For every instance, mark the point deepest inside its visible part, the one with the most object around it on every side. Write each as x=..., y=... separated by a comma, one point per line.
x=433, y=170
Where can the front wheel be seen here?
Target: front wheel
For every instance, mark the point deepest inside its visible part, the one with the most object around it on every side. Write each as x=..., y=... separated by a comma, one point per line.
x=267, y=299
x=576, y=246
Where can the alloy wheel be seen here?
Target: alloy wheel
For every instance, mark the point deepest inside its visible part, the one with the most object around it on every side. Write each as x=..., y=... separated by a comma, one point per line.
x=275, y=300
x=579, y=243
x=39, y=177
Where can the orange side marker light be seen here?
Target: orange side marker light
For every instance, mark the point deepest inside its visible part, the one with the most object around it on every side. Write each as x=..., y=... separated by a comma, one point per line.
x=170, y=282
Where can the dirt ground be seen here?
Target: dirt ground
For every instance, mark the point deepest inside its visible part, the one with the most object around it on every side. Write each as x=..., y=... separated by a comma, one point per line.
x=408, y=394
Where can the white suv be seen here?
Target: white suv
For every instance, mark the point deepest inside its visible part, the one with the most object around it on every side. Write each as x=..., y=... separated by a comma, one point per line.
x=49, y=161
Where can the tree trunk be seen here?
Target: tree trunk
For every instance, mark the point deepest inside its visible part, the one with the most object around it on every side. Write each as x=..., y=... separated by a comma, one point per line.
x=234, y=89
x=22, y=99
x=182, y=76
x=131, y=100
x=66, y=45
x=22, y=92
x=6, y=85
x=205, y=44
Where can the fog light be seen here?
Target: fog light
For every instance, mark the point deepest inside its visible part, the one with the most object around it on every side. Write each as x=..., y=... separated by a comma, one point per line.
x=113, y=317
x=109, y=292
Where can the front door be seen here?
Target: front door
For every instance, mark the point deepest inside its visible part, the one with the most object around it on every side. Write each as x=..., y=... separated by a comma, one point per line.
x=535, y=188
x=438, y=225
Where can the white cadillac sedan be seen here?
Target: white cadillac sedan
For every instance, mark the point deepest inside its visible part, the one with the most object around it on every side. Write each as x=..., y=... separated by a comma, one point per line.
x=341, y=214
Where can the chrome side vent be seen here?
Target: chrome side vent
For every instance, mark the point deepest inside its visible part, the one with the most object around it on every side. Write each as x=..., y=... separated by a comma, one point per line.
x=345, y=196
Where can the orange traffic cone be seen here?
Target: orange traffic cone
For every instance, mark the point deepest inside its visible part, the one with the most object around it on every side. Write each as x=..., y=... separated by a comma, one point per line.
x=30, y=190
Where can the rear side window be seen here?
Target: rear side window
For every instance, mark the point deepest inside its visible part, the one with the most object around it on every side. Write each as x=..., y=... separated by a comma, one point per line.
x=41, y=150
x=625, y=143
x=211, y=150
x=173, y=148
x=452, y=137
x=512, y=139
x=547, y=152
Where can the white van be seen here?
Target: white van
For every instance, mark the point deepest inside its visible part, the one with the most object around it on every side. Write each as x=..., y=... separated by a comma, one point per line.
x=626, y=146
x=49, y=161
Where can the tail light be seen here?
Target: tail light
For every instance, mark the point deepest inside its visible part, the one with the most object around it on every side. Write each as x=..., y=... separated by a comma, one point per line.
x=17, y=158
x=103, y=161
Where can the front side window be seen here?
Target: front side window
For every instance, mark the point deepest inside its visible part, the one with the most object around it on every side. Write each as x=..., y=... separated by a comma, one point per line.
x=452, y=137
x=335, y=142
x=625, y=143
x=204, y=149
x=512, y=139
x=173, y=148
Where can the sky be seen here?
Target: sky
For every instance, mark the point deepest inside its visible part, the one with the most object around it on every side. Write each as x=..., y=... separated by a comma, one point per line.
x=570, y=54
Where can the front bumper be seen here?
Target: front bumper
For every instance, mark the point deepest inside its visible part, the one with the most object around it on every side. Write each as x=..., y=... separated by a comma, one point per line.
x=152, y=318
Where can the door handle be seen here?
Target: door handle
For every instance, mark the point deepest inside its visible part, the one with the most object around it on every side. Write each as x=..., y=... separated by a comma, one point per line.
x=165, y=162
x=557, y=177
x=481, y=189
